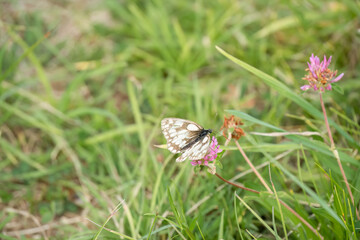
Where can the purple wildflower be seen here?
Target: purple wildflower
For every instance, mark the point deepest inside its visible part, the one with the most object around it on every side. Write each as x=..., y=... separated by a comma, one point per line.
x=214, y=149
x=319, y=75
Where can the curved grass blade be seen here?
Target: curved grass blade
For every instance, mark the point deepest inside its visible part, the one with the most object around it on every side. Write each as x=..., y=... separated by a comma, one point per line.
x=289, y=93
x=314, y=145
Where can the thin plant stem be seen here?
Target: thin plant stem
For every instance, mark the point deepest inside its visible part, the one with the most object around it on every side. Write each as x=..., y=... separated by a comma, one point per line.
x=270, y=191
x=301, y=219
x=228, y=139
x=253, y=168
x=238, y=186
x=266, y=186
x=281, y=202
x=335, y=152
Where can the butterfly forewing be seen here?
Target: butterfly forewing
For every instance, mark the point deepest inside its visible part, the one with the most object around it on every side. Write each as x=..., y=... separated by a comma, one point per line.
x=182, y=136
x=179, y=133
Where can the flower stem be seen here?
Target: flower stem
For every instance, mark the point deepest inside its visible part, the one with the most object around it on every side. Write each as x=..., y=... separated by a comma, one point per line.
x=253, y=168
x=266, y=186
x=301, y=219
x=335, y=152
x=238, y=186
x=281, y=202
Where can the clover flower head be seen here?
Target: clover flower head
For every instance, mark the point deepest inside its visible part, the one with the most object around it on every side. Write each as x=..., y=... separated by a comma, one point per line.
x=319, y=76
x=232, y=124
x=211, y=155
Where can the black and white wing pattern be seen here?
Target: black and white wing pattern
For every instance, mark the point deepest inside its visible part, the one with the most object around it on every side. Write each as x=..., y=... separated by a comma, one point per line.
x=186, y=137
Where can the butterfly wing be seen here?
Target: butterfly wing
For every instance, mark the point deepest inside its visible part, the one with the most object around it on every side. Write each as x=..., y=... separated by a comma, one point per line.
x=197, y=151
x=179, y=133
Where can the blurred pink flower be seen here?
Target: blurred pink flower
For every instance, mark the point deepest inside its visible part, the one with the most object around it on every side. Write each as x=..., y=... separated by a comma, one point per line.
x=319, y=76
x=214, y=149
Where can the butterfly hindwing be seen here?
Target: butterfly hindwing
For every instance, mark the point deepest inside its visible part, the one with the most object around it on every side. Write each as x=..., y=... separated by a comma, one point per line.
x=182, y=136
x=197, y=151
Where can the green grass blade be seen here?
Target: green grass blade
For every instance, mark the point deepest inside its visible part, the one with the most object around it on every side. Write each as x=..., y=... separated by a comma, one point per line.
x=221, y=227
x=259, y=218
x=314, y=145
x=282, y=168
x=35, y=61
x=289, y=93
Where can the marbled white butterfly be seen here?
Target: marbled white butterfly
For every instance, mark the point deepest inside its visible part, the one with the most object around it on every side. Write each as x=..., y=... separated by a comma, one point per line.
x=186, y=137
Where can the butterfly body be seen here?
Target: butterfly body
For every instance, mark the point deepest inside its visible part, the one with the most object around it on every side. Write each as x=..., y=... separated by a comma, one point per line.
x=202, y=134
x=186, y=137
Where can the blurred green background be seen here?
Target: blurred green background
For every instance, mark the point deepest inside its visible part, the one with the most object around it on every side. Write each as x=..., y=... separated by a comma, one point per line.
x=85, y=84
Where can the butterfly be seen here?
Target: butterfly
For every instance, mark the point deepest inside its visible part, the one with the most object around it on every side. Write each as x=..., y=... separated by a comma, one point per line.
x=186, y=137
